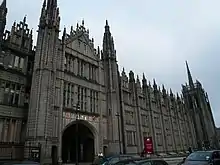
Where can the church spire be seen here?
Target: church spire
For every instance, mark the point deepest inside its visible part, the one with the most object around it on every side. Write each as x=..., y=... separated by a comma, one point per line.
x=51, y=8
x=50, y=14
x=108, y=43
x=3, y=5
x=3, y=14
x=189, y=76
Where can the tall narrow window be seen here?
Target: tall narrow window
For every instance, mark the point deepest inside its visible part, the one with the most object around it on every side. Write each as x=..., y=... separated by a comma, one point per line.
x=91, y=96
x=72, y=95
x=81, y=71
x=65, y=61
x=79, y=66
x=85, y=102
x=78, y=101
x=64, y=95
x=82, y=100
x=21, y=64
x=16, y=62
x=12, y=57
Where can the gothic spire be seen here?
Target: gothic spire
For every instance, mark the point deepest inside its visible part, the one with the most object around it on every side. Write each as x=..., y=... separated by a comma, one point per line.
x=51, y=5
x=3, y=5
x=3, y=14
x=189, y=76
x=108, y=43
x=50, y=14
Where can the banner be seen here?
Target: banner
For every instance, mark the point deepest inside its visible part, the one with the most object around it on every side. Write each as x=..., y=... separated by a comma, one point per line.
x=148, y=145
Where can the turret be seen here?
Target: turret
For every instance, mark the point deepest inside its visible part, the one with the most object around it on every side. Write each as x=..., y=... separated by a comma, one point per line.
x=195, y=99
x=154, y=84
x=144, y=81
x=112, y=86
x=164, y=91
x=108, y=44
x=44, y=80
x=50, y=15
x=189, y=76
x=3, y=14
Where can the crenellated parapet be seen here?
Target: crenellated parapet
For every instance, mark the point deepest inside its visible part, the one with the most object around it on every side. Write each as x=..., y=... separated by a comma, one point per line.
x=164, y=99
x=20, y=37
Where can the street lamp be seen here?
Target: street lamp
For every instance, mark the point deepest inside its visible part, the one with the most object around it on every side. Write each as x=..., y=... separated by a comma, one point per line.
x=77, y=130
x=119, y=131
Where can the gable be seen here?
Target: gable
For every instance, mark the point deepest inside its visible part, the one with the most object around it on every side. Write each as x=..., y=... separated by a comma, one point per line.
x=81, y=43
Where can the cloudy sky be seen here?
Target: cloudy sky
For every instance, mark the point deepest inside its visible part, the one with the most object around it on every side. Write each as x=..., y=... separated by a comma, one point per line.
x=151, y=36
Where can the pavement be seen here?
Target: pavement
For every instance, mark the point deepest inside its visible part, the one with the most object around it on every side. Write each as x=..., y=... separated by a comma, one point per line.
x=170, y=161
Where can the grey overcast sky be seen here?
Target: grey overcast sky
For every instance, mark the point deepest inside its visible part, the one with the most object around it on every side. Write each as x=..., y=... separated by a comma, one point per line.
x=151, y=36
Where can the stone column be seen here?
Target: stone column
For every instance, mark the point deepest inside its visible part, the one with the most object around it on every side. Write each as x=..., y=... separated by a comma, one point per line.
x=10, y=131
x=15, y=131
x=1, y=128
x=5, y=131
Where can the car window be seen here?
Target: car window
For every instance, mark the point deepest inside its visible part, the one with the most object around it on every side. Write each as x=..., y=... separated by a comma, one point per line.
x=99, y=160
x=144, y=162
x=199, y=156
x=126, y=163
x=125, y=157
x=159, y=162
x=113, y=160
x=216, y=155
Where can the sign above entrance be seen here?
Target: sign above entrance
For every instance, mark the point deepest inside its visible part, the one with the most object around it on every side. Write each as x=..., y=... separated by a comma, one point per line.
x=72, y=116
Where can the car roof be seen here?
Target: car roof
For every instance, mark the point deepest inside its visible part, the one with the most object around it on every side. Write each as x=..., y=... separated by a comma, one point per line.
x=208, y=151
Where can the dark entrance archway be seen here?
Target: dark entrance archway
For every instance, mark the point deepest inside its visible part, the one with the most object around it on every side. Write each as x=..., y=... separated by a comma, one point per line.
x=81, y=141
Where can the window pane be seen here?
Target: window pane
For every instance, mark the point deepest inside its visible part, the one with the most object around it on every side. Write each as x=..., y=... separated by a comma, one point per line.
x=16, y=61
x=16, y=99
x=6, y=98
x=21, y=63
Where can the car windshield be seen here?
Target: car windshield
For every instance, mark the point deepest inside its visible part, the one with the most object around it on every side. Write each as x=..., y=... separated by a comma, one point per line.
x=199, y=156
x=99, y=160
x=144, y=161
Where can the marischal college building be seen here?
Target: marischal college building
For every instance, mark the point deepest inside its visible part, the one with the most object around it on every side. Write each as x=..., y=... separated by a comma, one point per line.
x=69, y=98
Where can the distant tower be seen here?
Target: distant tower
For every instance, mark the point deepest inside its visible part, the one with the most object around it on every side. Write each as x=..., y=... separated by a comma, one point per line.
x=198, y=104
x=3, y=14
x=112, y=88
x=41, y=109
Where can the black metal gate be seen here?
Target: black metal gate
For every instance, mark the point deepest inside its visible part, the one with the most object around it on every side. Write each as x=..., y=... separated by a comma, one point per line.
x=19, y=151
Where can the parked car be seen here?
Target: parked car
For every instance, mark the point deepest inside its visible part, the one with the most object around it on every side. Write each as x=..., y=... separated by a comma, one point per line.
x=26, y=162
x=203, y=158
x=112, y=159
x=142, y=162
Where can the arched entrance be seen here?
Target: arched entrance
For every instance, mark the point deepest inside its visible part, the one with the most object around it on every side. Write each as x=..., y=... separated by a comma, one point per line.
x=78, y=139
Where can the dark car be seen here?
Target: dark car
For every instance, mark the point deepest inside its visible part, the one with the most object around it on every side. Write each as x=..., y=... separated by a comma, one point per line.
x=203, y=158
x=26, y=162
x=142, y=162
x=112, y=159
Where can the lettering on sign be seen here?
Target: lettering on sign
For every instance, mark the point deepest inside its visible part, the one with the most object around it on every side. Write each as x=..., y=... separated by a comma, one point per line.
x=72, y=116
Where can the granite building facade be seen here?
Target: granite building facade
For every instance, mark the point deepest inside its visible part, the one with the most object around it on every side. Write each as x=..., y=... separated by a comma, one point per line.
x=69, y=96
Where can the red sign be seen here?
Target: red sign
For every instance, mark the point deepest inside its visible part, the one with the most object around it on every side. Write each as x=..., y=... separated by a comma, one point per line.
x=148, y=145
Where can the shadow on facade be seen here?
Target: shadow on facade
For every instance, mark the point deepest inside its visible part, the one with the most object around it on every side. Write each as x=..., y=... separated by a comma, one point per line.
x=81, y=141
